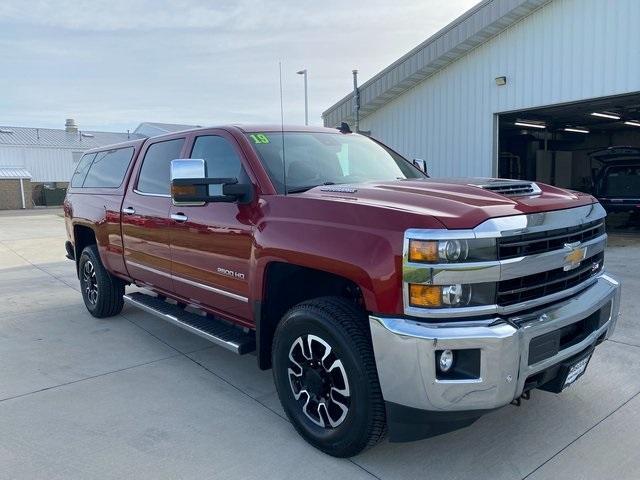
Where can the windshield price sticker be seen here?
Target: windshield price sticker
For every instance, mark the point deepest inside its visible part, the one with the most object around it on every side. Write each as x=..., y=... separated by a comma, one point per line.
x=259, y=138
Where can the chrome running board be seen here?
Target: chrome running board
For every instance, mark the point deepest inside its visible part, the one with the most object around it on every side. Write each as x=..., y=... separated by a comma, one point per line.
x=217, y=331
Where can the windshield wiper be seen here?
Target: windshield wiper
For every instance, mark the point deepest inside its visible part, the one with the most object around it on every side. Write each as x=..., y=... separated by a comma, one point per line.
x=308, y=187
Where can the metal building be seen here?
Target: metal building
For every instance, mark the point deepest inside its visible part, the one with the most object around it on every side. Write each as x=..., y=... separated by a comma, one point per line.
x=50, y=155
x=510, y=88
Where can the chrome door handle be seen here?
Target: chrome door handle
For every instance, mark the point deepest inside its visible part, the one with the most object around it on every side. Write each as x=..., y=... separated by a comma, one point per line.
x=129, y=211
x=179, y=217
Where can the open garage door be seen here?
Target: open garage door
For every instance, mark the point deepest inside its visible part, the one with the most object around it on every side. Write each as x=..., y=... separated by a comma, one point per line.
x=591, y=146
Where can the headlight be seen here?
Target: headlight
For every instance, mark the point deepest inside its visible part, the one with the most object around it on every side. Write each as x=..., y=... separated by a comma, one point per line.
x=452, y=251
x=451, y=296
x=454, y=295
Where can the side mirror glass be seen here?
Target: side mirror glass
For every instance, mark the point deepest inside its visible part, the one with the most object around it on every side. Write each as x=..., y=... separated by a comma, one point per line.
x=190, y=185
x=421, y=165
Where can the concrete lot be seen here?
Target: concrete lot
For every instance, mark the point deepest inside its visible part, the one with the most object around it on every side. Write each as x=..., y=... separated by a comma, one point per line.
x=134, y=397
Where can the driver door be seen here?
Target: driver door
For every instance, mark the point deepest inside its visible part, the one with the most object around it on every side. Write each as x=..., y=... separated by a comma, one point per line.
x=211, y=244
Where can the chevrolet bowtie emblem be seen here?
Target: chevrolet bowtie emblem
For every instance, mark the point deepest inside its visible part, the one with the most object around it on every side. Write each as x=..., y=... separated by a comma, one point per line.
x=576, y=255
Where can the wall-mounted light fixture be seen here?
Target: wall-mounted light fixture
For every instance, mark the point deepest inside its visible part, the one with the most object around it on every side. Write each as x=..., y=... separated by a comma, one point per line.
x=500, y=81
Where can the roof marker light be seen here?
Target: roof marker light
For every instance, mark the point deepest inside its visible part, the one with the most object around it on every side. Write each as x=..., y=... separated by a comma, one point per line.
x=531, y=125
x=612, y=116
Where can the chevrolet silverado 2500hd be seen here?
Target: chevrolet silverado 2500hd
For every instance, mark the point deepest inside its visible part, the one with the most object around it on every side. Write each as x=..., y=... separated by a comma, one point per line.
x=382, y=299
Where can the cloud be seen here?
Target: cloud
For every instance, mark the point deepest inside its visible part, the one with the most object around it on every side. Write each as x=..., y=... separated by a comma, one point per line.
x=114, y=64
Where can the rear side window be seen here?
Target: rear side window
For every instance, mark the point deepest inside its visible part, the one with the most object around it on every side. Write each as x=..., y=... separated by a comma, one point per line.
x=81, y=170
x=155, y=171
x=221, y=159
x=109, y=168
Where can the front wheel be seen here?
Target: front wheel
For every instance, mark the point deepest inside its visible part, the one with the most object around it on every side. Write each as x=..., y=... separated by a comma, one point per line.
x=325, y=374
x=102, y=292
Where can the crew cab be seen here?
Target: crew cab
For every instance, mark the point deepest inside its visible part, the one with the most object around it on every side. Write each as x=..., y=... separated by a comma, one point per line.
x=382, y=299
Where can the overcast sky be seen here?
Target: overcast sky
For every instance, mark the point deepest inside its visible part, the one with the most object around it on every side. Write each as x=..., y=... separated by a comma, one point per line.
x=113, y=64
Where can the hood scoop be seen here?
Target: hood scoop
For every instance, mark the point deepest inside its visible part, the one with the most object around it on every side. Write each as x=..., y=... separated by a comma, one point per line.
x=510, y=188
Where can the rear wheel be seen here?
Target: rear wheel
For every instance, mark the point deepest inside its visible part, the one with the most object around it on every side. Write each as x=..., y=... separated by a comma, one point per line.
x=324, y=371
x=102, y=292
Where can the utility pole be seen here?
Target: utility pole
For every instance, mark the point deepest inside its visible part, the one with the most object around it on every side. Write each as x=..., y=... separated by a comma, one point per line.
x=306, y=96
x=356, y=102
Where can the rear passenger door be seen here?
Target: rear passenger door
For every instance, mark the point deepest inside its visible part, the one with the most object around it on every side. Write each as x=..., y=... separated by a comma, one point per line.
x=97, y=188
x=211, y=244
x=145, y=215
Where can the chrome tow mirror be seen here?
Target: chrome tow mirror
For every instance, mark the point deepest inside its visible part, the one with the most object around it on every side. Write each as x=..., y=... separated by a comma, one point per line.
x=421, y=165
x=190, y=185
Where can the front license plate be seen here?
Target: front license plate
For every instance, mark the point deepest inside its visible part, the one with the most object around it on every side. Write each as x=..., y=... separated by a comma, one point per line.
x=576, y=371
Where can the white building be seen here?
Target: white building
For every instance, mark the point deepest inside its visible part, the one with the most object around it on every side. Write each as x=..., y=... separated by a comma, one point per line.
x=455, y=99
x=50, y=155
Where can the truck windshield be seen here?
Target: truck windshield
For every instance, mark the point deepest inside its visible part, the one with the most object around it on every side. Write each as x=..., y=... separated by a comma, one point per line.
x=315, y=158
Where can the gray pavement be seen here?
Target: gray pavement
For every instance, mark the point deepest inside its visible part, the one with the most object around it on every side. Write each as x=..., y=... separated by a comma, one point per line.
x=135, y=397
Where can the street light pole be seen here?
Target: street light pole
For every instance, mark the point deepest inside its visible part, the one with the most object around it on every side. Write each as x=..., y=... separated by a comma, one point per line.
x=306, y=96
x=356, y=100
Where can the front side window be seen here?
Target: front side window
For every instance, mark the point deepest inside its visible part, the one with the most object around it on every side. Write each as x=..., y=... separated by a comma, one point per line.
x=81, y=170
x=314, y=158
x=155, y=171
x=221, y=159
x=109, y=168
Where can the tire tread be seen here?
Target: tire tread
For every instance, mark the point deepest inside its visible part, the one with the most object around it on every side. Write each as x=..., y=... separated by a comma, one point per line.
x=111, y=289
x=353, y=322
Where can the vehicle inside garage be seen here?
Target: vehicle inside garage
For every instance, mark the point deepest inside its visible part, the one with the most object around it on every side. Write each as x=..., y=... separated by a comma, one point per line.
x=591, y=146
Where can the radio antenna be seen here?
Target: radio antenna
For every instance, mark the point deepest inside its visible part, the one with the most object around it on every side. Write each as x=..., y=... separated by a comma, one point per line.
x=284, y=163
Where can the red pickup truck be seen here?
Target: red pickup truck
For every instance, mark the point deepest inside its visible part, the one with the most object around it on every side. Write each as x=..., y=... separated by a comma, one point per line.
x=382, y=299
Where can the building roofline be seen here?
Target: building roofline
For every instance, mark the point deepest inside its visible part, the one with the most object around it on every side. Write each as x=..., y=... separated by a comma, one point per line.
x=10, y=172
x=470, y=30
x=136, y=143
x=44, y=137
x=9, y=127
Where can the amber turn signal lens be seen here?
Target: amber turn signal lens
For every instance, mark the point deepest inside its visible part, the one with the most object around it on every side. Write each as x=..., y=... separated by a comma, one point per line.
x=184, y=190
x=423, y=251
x=425, y=295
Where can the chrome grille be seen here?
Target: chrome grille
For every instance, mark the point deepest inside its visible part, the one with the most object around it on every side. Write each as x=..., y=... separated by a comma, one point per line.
x=530, y=269
x=530, y=287
x=548, y=241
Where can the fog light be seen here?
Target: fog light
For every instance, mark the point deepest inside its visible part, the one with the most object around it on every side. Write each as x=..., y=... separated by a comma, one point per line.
x=446, y=360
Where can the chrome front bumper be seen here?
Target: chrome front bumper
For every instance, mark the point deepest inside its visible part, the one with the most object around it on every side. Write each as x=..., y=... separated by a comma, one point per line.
x=405, y=352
